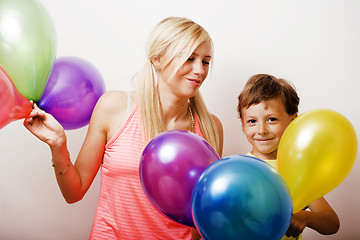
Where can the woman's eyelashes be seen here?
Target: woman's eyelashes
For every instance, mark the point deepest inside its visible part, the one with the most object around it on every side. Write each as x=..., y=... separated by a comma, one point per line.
x=191, y=59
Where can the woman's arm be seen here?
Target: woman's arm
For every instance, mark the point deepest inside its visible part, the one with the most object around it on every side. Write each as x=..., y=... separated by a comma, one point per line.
x=321, y=218
x=195, y=235
x=75, y=180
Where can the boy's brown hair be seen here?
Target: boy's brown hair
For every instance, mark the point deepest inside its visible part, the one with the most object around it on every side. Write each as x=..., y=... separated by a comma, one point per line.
x=264, y=87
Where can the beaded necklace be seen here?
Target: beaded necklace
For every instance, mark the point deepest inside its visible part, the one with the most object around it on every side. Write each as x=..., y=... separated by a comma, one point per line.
x=191, y=117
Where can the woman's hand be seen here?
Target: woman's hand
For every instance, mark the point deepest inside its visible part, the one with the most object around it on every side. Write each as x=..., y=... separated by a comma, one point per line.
x=45, y=127
x=195, y=235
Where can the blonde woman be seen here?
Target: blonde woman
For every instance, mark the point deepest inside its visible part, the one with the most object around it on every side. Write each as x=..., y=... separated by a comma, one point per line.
x=178, y=60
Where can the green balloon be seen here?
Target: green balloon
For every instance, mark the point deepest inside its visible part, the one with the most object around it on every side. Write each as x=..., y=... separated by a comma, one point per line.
x=27, y=45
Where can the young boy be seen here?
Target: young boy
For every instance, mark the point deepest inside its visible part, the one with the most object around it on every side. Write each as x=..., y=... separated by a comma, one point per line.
x=266, y=107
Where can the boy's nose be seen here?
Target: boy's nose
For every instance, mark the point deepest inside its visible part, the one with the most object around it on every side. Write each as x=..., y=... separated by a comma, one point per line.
x=262, y=130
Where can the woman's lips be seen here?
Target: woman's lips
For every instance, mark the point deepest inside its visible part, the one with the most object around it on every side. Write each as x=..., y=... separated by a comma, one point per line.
x=196, y=82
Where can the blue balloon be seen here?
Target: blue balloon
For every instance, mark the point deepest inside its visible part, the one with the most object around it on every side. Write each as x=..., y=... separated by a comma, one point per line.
x=241, y=197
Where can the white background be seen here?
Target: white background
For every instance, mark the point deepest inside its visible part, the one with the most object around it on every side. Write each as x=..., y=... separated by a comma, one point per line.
x=313, y=43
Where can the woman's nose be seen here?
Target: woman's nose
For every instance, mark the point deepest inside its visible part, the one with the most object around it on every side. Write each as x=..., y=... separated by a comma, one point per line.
x=198, y=68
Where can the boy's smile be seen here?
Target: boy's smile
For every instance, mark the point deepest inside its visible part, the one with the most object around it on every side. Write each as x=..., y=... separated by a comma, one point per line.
x=263, y=124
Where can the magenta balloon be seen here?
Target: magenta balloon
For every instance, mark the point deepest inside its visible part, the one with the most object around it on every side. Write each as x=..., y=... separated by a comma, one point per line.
x=170, y=166
x=73, y=88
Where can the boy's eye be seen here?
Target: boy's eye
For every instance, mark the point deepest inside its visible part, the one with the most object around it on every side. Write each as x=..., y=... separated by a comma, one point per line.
x=272, y=119
x=190, y=59
x=206, y=62
x=252, y=121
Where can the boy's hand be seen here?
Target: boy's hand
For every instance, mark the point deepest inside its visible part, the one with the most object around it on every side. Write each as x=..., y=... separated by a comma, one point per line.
x=298, y=224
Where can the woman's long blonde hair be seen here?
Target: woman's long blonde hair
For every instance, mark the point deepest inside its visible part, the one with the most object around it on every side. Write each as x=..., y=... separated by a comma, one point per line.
x=169, y=38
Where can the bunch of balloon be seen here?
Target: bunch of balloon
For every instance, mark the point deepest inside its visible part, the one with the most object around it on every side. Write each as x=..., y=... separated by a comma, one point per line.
x=170, y=165
x=316, y=153
x=241, y=197
x=67, y=87
x=72, y=92
x=14, y=105
x=27, y=45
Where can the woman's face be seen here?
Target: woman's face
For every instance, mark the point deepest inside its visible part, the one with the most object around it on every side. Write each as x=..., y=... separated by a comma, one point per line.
x=190, y=76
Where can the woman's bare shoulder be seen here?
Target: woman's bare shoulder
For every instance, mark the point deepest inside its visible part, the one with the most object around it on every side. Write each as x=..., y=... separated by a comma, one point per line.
x=111, y=111
x=113, y=101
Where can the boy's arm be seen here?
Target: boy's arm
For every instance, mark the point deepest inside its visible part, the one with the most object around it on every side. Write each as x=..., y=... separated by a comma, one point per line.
x=322, y=218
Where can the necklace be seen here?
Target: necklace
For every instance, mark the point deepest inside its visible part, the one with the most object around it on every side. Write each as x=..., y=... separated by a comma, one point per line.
x=192, y=122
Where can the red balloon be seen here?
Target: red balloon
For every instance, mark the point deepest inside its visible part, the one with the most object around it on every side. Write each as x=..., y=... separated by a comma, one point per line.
x=73, y=88
x=170, y=166
x=13, y=105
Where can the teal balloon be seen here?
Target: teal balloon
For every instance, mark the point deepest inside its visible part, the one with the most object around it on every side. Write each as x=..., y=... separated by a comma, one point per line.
x=27, y=45
x=241, y=197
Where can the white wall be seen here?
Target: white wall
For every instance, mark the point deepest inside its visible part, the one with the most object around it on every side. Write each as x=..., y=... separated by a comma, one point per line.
x=313, y=43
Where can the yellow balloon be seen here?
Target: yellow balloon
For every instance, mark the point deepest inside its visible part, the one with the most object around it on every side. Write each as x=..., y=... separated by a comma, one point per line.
x=316, y=153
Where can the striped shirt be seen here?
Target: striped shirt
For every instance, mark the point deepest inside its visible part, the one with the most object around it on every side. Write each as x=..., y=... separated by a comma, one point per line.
x=124, y=211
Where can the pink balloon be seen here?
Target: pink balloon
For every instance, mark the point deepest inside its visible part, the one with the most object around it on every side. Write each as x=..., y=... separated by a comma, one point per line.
x=73, y=88
x=170, y=165
x=13, y=105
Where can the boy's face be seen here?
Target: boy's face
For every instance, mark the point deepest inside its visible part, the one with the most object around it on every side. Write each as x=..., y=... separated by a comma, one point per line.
x=263, y=125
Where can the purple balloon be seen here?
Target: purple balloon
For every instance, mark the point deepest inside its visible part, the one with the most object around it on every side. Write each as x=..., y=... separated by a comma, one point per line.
x=170, y=166
x=72, y=90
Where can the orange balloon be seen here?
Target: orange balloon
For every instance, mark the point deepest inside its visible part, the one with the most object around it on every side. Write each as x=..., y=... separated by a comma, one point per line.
x=13, y=105
x=316, y=153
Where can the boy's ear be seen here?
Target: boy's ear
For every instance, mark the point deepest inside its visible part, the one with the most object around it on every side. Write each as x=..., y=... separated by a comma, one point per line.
x=294, y=116
x=242, y=124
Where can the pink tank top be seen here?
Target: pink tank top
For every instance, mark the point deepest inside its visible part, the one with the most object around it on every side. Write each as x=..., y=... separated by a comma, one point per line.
x=123, y=211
